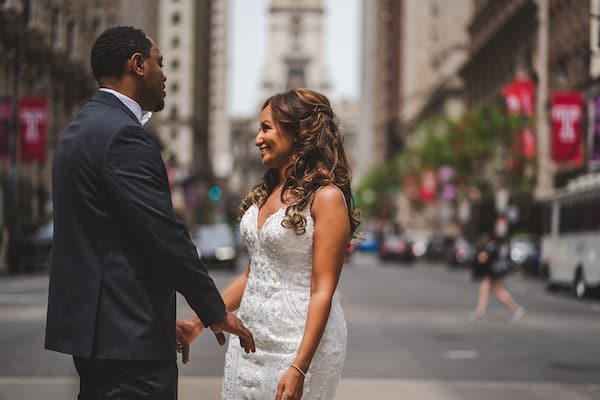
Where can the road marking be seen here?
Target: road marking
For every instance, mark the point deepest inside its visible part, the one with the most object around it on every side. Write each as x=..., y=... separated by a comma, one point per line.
x=461, y=355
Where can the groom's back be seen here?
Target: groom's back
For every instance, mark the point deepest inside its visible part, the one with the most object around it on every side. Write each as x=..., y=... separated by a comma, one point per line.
x=95, y=297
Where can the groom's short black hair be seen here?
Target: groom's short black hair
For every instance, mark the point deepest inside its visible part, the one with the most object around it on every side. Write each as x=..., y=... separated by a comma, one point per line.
x=114, y=47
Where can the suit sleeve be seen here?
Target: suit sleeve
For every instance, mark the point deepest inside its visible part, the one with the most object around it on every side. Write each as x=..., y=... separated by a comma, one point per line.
x=138, y=187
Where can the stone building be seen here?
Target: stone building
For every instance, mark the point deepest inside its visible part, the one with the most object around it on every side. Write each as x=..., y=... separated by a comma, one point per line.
x=295, y=55
x=435, y=47
x=569, y=60
x=46, y=46
x=503, y=37
x=194, y=127
x=381, y=86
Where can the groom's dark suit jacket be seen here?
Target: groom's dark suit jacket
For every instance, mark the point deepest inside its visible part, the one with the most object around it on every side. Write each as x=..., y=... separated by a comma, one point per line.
x=119, y=254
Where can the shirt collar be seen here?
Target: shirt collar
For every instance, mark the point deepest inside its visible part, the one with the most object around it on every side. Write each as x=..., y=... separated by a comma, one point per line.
x=135, y=108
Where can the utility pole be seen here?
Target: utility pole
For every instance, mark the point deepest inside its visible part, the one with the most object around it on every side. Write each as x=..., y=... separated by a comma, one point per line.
x=544, y=185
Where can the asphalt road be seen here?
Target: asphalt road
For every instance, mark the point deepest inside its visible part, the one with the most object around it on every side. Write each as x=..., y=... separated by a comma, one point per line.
x=409, y=338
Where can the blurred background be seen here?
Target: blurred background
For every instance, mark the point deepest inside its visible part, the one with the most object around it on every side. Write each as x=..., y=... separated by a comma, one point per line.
x=463, y=118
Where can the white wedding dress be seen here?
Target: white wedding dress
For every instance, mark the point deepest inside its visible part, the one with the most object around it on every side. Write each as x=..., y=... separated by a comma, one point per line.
x=274, y=308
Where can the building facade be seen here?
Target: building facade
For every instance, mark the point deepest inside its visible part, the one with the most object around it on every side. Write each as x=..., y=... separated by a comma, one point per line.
x=295, y=54
x=502, y=47
x=380, y=130
x=568, y=67
x=177, y=42
x=194, y=127
x=46, y=46
x=436, y=45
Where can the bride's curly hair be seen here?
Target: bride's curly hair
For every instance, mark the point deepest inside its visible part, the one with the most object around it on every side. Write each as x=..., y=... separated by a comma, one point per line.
x=319, y=157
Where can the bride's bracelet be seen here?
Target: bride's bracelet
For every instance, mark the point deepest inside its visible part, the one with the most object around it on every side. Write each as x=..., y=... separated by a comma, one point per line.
x=297, y=368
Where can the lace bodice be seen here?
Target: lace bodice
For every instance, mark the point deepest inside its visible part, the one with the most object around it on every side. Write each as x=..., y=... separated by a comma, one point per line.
x=274, y=308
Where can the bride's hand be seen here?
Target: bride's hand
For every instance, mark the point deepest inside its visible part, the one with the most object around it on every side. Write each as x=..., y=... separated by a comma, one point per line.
x=186, y=332
x=290, y=385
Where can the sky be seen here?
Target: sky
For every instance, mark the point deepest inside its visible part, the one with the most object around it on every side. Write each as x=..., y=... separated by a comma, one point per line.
x=247, y=56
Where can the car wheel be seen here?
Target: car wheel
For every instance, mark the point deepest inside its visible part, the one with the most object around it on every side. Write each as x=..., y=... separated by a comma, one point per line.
x=552, y=287
x=544, y=271
x=580, y=288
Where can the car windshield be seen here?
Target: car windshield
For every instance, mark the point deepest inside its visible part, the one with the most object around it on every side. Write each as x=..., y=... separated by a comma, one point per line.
x=391, y=239
x=524, y=244
x=215, y=235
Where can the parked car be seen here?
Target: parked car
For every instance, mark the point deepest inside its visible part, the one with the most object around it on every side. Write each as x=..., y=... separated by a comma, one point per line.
x=368, y=244
x=394, y=247
x=418, y=241
x=440, y=248
x=30, y=248
x=217, y=246
x=462, y=254
x=525, y=254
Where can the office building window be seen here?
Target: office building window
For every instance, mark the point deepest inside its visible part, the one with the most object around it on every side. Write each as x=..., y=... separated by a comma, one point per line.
x=174, y=87
x=175, y=42
x=54, y=26
x=296, y=77
x=175, y=64
x=174, y=113
x=70, y=38
x=175, y=18
x=26, y=12
x=96, y=24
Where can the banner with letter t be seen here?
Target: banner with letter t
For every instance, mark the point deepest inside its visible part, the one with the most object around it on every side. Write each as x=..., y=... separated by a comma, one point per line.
x=567, y=116
x=33, y=118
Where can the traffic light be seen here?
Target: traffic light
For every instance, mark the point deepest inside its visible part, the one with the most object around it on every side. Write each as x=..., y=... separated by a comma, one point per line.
x=215, y=193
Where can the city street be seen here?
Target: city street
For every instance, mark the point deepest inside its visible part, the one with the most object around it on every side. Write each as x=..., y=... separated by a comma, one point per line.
x=409, y=338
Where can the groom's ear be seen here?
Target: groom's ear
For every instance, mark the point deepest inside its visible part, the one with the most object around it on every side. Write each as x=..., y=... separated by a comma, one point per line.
x=136, y=64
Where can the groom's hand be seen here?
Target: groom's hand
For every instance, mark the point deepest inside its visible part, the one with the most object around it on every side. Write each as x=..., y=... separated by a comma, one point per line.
x=232, y=324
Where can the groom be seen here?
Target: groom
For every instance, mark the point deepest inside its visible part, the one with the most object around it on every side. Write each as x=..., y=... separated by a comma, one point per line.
x=119, y=253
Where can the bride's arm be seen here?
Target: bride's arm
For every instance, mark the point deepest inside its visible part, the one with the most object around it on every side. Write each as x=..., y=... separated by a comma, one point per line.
x=188, y=330
x=331, y=235
x=232, y=294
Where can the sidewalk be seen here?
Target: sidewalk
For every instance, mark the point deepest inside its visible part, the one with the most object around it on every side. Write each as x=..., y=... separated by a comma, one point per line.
x=208, y=388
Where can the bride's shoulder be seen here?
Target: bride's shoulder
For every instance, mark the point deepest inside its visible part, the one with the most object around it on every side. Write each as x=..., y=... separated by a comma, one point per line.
x=328, y=198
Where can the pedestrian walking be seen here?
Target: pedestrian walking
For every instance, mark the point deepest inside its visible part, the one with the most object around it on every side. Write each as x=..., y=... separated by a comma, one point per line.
x=491, y=265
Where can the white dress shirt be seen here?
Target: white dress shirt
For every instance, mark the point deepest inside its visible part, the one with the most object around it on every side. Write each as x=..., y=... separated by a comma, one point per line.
x=135, y=108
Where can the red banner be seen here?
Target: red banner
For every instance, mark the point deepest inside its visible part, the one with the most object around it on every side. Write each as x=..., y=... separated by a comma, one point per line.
x=512, y=99
x=567, y=114
x=5, y=117
x=528, y=145
x=520, y=97
x=428, y=189
x=526, y=92
x=33, y=117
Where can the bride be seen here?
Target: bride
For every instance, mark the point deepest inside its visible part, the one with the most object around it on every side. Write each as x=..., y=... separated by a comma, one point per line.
x=296, y=224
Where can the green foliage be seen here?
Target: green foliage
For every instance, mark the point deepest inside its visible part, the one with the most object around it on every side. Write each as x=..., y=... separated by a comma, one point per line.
x=481, y=147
